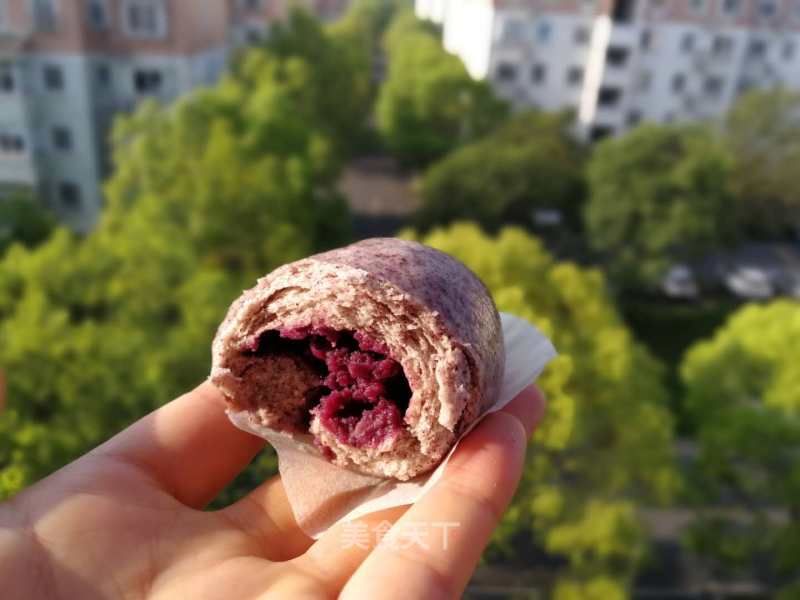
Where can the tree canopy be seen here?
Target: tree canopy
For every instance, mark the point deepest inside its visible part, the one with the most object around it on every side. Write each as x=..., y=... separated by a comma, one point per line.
x=657, y=195
x=340, y=57
x=530, y=162
x=604, y=447
x=763, y=131
x=206, y=196
x=743, y=395
x=23, y=220
x=428, y=103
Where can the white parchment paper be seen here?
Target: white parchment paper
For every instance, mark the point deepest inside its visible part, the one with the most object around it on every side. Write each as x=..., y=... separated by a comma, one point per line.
x=322, y=494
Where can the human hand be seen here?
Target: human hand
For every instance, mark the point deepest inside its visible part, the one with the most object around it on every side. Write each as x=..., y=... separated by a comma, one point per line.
x=126, y=520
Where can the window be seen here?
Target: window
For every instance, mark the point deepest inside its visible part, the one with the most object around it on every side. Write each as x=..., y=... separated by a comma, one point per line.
x=69, y=194
x=580, y=36
x=713, y=86
x=103, y=75
x=53, y=77
x=657, y=6
x=722, y=46
x=646, y=39
x=617, y=56
x=743, y=86
x=11, y=143
x=599, y=132
x=506, y=72
x=609, y=97
x=44, y=15
x=539, y=73
x=147, y=81
x=678, y=82
x=62, y=138
x=544, y=31
x=7, y=83
x=253, y=35
x=767, y=9
x=699, y=7
x=757, y=49
x=145, y=18
x=513, y=30
x=97, y=14
x=731, y=8
x=687, y=42
x=788, y=50
x=633, y=118
x=574, y=75
x=624, y=11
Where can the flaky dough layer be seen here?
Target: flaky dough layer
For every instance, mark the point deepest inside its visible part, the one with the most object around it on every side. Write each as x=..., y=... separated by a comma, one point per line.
x=435, y=317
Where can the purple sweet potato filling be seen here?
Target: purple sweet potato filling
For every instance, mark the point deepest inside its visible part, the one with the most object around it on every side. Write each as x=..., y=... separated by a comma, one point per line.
x=363, y=393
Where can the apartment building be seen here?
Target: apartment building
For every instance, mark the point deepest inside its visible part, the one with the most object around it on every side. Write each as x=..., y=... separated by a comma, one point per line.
x=251, y=19
x=617, y=63
x=67, y=67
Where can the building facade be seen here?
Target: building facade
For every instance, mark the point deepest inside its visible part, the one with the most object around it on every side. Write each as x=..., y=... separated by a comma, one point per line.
x=67, y=67
x=617, y=63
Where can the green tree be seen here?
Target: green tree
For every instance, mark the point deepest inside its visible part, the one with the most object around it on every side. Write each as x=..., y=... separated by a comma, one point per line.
x=206, y=196
x=604, y=447
x=23, y=220
x=743, y=395
x=763, y=131
x=530, y=162
x=428, y=103
x=340, y=83
x=656, y=195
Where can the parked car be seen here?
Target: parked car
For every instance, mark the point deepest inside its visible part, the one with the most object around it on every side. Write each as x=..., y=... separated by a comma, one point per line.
x=750, y=283
x=789, y=284
x=680, y=283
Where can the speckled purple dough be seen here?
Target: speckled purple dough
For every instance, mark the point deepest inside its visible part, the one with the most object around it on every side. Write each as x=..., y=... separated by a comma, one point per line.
x=378, y=302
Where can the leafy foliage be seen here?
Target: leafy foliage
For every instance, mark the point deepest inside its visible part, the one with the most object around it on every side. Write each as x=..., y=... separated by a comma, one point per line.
x=763, y=131
x=658, y=194
x=429, y=104
x=207, y=195
x=341, y=58
x=605, y=444
x=743, y=392
x=528, y=163
x=23, y=220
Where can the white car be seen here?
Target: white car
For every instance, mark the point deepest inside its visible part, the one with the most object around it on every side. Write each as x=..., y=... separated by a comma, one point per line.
x=679, y=283
x=750, y=283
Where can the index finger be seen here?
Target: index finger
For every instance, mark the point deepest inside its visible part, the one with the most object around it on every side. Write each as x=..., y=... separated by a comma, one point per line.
x=434, y=548
x=188, y=447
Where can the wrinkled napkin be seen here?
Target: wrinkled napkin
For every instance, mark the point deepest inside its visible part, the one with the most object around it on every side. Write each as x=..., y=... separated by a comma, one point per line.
x=322, y=494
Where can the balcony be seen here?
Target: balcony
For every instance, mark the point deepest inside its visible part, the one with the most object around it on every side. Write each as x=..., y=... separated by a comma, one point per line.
x=616, y=76
x=624, y=11
x=610, y=105
x=624, y=35
x=709, y=62
x=17, y=169
x=609, y=116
